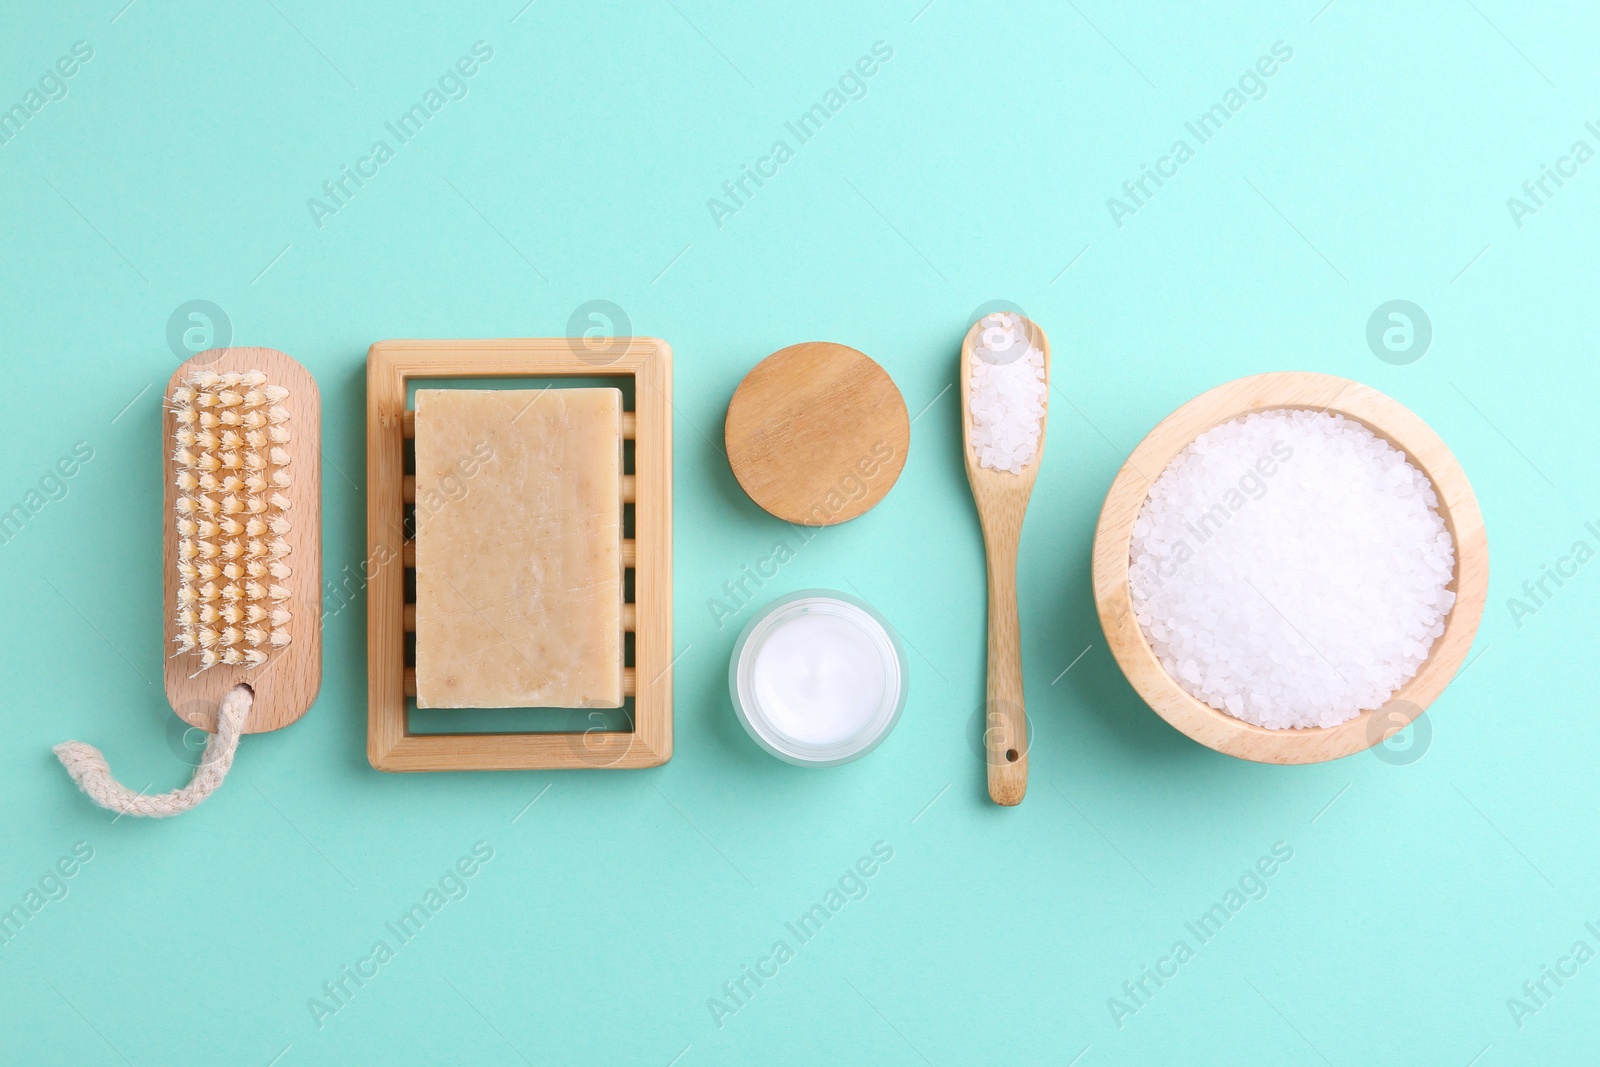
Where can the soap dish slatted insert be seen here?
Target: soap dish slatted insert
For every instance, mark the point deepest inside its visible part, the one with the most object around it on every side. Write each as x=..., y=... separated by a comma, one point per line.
x=644, y=485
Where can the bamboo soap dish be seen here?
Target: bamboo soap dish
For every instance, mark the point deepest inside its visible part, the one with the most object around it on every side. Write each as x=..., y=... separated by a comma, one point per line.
x=626, y=581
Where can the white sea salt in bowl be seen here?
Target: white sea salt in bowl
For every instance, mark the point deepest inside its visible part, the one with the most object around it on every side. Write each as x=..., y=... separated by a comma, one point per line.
x=1415, y=653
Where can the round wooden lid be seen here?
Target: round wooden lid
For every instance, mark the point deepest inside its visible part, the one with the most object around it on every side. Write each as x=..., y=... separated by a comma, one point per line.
x=817, y=433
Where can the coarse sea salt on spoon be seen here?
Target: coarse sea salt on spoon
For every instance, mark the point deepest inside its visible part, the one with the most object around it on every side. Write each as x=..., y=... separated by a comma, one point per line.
x=1006, y=393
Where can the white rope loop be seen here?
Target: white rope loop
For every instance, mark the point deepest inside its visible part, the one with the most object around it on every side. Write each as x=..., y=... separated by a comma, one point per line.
x=89, y=769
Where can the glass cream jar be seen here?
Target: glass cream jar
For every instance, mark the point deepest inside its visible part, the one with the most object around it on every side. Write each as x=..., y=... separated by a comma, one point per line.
x=818, y=678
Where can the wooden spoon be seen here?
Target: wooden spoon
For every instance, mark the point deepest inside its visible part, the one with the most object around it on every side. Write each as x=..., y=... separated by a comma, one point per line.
x=1002, y=498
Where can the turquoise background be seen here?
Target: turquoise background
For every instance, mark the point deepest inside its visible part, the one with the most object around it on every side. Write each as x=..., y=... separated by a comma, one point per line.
x=1422, y=893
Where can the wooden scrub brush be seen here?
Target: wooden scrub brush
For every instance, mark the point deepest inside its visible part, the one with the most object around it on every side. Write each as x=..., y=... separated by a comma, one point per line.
x=243, y=564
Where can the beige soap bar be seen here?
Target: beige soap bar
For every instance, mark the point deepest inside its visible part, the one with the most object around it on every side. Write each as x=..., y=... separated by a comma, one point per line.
x=519, y=548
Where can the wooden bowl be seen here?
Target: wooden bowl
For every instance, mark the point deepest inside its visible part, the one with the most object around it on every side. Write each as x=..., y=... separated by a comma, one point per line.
x=1263, y=392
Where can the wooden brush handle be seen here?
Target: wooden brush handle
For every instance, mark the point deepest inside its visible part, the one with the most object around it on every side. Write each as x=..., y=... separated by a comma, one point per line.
x=1005, y=735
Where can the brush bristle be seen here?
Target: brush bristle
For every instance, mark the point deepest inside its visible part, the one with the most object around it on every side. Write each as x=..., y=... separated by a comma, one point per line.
x=230, y=451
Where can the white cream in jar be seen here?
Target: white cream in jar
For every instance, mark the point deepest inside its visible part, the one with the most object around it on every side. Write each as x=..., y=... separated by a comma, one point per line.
x=818, y=678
